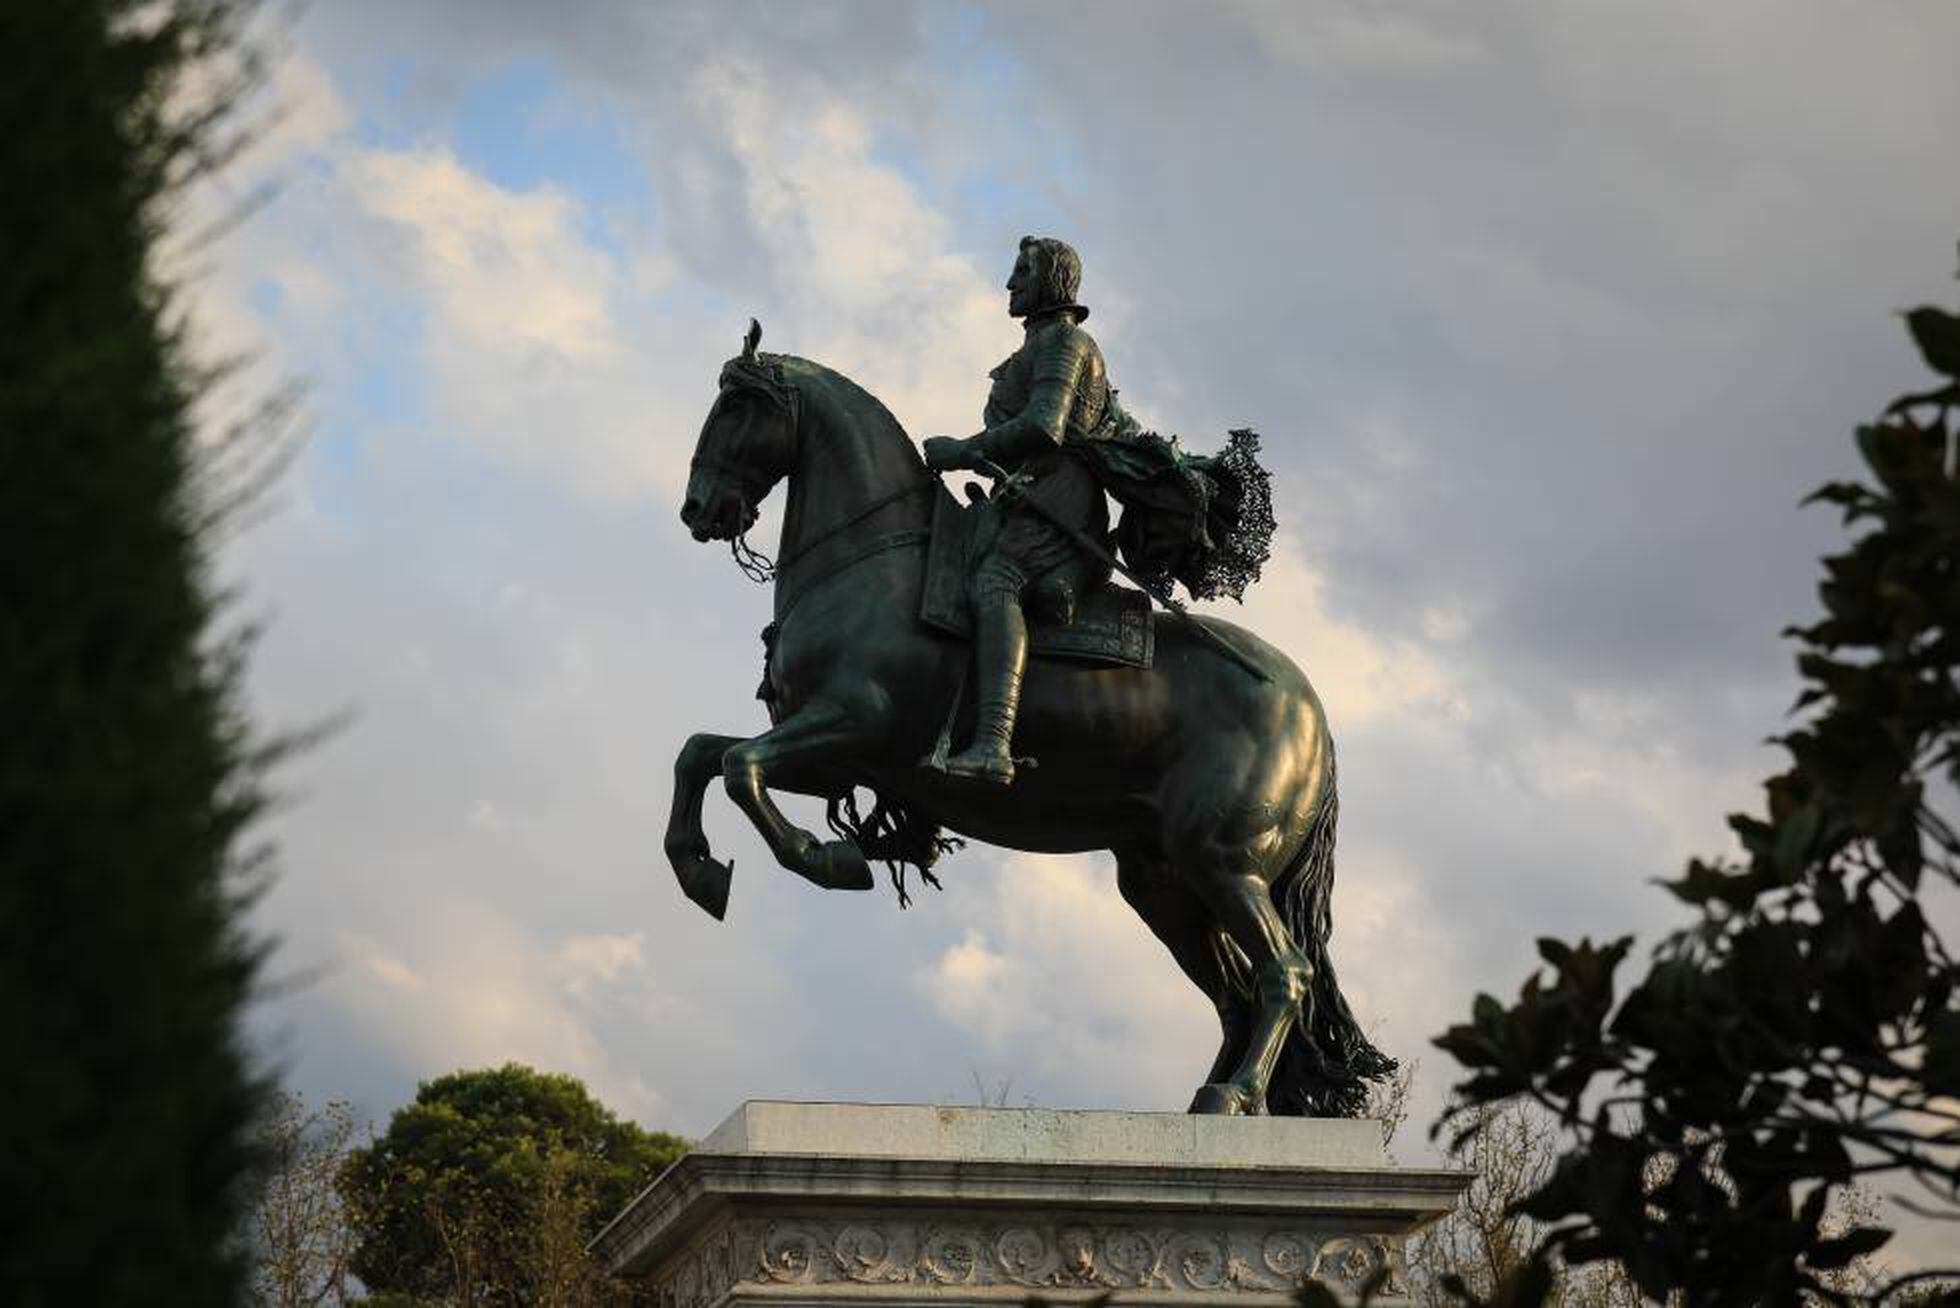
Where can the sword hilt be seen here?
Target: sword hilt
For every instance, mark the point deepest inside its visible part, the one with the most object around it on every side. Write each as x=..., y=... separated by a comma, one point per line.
x=1005, y=482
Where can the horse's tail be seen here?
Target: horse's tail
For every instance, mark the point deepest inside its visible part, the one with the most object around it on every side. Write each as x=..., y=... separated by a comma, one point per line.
x=1327, y=1062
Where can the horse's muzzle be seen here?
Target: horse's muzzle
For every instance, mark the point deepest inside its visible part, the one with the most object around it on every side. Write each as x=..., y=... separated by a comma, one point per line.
x=692, y=518
x=725, y=516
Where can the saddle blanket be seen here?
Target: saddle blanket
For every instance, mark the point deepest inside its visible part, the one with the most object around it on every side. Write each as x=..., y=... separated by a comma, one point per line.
x=1112, y=624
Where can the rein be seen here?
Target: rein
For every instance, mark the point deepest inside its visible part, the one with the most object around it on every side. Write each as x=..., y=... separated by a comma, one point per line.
x=802, y=552
x=755, y=565
x=788, y=595
x=761, y=569
x=787, y=600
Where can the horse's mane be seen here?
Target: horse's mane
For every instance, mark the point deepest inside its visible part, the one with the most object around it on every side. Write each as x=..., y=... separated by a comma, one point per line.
x=842, y=402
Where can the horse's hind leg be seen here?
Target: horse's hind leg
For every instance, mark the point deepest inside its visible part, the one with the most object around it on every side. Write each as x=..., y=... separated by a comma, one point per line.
x=1183, y=922
x=1237, y=892
x=815, y=740
x=1228, y=831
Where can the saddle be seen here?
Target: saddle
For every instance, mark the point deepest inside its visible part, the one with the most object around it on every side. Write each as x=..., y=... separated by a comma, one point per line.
x=1111, y=625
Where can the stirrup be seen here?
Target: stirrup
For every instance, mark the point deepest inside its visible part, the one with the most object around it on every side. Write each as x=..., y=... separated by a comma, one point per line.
x=996, y=769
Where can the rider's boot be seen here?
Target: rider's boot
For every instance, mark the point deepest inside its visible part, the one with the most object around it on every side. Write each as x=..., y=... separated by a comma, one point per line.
x=1000, y=649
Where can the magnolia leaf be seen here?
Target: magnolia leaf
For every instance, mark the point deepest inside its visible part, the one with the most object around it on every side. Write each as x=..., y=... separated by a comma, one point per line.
x=1937, y=334
x=1941, y=1068
x=1943, y=396
x=1830, y=1255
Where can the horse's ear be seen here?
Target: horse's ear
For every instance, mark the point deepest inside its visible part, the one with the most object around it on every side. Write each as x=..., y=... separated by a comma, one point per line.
x=753, y=339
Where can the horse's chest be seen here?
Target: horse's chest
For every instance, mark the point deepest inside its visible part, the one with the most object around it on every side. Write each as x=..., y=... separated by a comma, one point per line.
x=823, y=647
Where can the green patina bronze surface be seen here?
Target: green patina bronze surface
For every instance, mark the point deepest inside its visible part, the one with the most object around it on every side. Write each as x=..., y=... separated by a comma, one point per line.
x=1208, y=773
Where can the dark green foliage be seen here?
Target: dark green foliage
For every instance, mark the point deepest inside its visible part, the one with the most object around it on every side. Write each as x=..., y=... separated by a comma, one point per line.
x=1803, y=1031
x=450, y=1192
x=126, y=777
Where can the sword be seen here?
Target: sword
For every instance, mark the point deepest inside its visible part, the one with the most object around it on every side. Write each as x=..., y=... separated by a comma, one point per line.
x=1008, y=488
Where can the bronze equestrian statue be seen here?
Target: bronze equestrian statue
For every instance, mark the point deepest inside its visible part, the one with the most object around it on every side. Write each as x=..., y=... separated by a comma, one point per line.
x=1188, y=747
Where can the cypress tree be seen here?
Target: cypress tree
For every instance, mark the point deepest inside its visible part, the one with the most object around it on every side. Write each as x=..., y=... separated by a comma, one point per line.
x=127, y=775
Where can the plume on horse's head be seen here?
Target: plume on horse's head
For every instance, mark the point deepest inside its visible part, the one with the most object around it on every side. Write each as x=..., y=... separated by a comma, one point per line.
x=760, y=373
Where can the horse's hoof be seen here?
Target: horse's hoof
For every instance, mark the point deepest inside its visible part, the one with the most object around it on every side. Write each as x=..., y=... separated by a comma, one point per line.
x=706, y=882
x=1222, y=1099
x=841, y=866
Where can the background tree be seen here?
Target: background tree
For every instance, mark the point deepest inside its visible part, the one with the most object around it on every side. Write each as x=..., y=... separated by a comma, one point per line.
x=565, y=1213
x=1804, y=1030
x=482, y=1190
x=1387, y=1101
x=128, y=775
x=302, y=1244
x=1486, y=1243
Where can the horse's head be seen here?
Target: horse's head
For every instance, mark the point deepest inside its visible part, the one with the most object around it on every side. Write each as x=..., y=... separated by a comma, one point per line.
x=747, y=445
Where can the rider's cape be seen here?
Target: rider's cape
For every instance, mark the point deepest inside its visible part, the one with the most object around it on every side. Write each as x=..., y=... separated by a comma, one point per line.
x=1203, y=521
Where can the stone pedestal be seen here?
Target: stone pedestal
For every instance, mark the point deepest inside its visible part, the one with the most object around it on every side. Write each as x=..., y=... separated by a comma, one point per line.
x=900, y=1205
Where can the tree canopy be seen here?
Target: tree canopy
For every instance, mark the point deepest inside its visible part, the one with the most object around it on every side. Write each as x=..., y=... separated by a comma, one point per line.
x=448, y=1202
x=1803, y=1030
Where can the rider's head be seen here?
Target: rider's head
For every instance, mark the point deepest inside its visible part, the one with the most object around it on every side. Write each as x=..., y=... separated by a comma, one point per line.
x=1047, y=275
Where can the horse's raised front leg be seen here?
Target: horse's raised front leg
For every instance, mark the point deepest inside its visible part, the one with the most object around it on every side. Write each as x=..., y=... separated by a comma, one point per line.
x=702, y=878
x=813, y=742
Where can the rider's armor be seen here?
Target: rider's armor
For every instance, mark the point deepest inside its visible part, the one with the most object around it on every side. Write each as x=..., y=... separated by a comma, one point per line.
x=1055, y=381
x=1050, y=395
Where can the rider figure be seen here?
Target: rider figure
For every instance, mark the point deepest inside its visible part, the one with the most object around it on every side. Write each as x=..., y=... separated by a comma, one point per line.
x=1051, y=395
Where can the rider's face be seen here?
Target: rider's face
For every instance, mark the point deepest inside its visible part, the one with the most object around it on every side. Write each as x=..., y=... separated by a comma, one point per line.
x=1023, y=291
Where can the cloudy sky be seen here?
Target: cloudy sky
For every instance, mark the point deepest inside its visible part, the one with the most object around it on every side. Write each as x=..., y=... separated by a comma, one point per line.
x=1550, y=315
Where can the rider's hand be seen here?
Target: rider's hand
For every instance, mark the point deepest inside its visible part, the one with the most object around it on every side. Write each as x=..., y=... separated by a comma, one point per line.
x=945, y=453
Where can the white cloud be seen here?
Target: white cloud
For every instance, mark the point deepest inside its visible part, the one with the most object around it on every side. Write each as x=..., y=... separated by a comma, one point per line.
x=584, y=963
x=366, y=953
x=867, y=276
x=461, y=987
x=1358, y=676
x=514, y=281
x=305, y=113
x=1360, y=36
x=1065, y=983
x=300, y=119
x=526, y=346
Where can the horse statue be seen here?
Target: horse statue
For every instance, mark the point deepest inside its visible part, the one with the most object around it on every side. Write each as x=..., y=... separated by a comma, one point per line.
x=1213, y=787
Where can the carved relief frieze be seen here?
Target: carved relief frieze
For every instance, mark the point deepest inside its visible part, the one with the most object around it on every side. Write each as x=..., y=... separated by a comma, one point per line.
x=703, y=1276
x=960, y=1251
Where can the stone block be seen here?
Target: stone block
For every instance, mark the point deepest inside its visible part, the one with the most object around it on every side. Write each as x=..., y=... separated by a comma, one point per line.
x=858, y=1204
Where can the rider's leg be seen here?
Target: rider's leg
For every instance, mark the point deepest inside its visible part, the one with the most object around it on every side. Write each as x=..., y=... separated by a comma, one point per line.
x=1000, y=651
